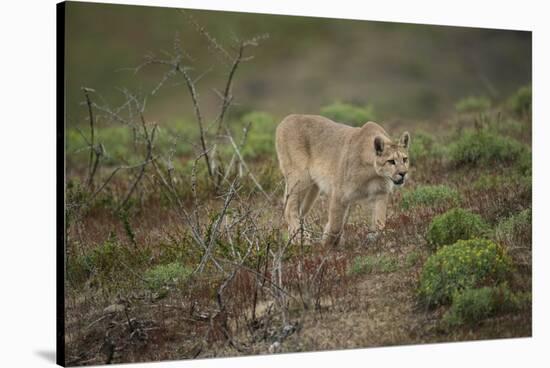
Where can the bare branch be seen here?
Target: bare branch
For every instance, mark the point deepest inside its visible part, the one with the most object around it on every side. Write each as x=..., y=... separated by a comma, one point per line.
x=227, y=97
x=228, y=198
x=233, y=157
x=202, y=31
x=91, y=165
x=150, y=139
x=198, y=115
x=242, y=161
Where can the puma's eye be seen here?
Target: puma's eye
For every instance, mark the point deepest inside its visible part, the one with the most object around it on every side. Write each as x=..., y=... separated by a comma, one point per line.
x=405, y=159
x=391, y=162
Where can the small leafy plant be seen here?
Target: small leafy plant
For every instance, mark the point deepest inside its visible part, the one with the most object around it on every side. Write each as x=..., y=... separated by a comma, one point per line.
x=373, y=264
x=162, y=276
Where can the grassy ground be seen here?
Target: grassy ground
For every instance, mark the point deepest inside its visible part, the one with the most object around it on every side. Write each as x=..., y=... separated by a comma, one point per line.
x=140, y=286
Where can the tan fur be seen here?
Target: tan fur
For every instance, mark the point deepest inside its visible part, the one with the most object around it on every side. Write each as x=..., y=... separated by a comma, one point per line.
x=345, y=163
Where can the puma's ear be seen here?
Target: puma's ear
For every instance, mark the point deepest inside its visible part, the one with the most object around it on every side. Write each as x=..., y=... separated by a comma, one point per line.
x=405, y=140
x=378, y=145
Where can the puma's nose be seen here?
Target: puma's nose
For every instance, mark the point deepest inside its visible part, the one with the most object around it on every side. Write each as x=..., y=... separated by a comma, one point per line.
x=402, y=174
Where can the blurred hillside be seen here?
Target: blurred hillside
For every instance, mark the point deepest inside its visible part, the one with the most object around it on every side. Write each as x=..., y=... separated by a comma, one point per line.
x=407, y=72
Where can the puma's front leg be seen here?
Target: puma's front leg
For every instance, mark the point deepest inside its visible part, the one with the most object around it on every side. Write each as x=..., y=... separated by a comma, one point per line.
x=376, y=215
x=337, y=213
x=377, y=206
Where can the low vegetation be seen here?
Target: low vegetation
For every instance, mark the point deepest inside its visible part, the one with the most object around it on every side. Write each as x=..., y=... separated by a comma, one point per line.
x=373, y=264
x=472, y=306
x=164, y=276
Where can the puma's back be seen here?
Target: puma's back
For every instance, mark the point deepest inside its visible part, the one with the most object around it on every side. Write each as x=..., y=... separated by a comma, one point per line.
x=310, y=141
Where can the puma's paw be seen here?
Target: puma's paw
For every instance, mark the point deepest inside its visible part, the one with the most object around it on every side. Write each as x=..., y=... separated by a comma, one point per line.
x=373, y=236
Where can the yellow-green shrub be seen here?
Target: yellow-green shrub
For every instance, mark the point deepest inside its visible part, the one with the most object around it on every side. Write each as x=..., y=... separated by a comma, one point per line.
x=465, y=264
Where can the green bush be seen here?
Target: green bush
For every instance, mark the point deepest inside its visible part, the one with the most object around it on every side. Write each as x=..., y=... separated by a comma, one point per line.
x=515, y=231
x=430, y=195
x=453, y=225
x=484, y=148
x=473, y=305
x=373, y=264
x=347, y=113
x=465, y=264
x=163, y=276
x=473, y=104
x=521, y=101
x=425, y=147
x=470, y=305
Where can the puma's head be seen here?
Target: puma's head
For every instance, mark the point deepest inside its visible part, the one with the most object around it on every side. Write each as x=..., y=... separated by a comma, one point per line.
x=392, y=159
